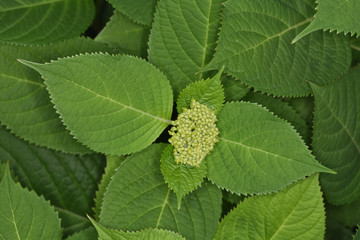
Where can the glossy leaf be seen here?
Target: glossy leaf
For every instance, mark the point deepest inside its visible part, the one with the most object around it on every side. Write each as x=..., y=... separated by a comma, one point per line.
x=25, y=215
x=297, y=212
x=181, y=178
x=257, y=152
x=138, y=198
x=140, y=11
x=208, y=92
x=122, y=33
x=113, y=104
x=68, y=181
x=255, y=47
x=336, y=140
x=44, y=21
x=336, y=15
x=25, y=106
x=183, y=38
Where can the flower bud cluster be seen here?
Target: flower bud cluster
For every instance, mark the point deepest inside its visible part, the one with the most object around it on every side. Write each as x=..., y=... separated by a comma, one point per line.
x=194, y=134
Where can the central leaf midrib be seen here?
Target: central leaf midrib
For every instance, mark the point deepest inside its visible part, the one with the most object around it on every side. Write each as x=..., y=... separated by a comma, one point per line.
x=30, y=5
x=163, y=208
x=119, y=103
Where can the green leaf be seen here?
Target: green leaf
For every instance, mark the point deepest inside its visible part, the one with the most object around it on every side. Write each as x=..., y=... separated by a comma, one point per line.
x=294, y=213
x=138, y=198
x=68, y=181
x=122, y=33
x=149, y=234
x=257, y=152
x=357, y=235
x=282, y=110
x=113, y=104
x=24, y=215
x=337, y=231
x=140, y=11
x=87, y=234
x=255, y=47
x=181, y=178
x=336, y=141
x=112, y=163
x=208, y=92
x=304, y=106
x=234, y=90
x=355, y=47
x=348, y=215
x=25, y=106
x=183, y=39
x=44, y=21
x=335, y=15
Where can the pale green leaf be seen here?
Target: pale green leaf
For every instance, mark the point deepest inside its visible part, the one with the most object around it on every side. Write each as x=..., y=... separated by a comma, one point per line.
x=138, y=198
x=140, y=11
x=183, y=38
x=87, y=234
x=336, y=140
x=348, y=215
x=44, y=21
x=208, y=92
x=295, y=213
x=255, y=47
x=68, y=181
x=257, y=152
x=25, y=106
x=112, y=163
x=282, y=110
x=25, y=215
x=113, y=104
x=181, y=178
x=335, y=15
x=122, y=33
x=146, y=234
x=234, y=90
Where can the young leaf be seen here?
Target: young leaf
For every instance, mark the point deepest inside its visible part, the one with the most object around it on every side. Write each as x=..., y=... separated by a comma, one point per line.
x=284, y=111
x=255, y=47
x=122, y=33
x=183, y=37
x=68, y=181
x=337, y=136
x=25, y=106
x=113, y=104
x=87, y=234
x=24, y=215
x=297, y=212
x=43, y=21
x=138, y=198
x=181, y=178
x=257, y=152
x=112, y=163
x=140, y=11
x=149, y=234
x=208, y=92
x=339, y=15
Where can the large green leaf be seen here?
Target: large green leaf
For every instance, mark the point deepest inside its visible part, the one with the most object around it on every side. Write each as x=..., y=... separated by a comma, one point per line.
x=68, y=181
x=113, y=104
x=112, y=163
x=25, y=106
x=355, y=46
x=44, y=21
x=138, y=198
x=255, y=47
x=87, y=234
x=294, y=213
x=24, y=215
x=282, y=110
x=335, y=15
x=337, y=136
x=122, y=33
x=257, y=152
x=348, y=215
x=183, y=37
x=140, y=11
x=148, y=234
